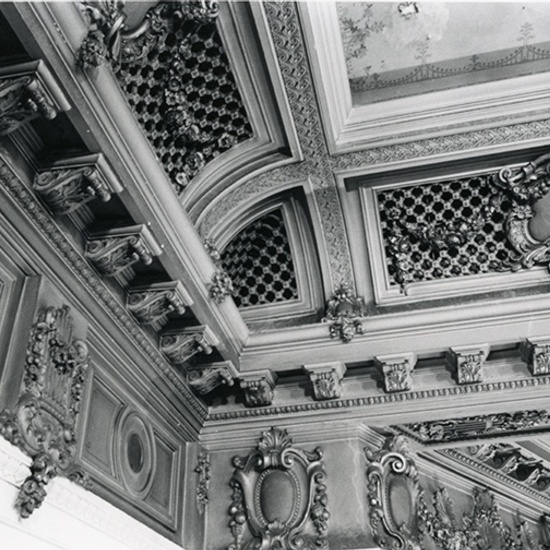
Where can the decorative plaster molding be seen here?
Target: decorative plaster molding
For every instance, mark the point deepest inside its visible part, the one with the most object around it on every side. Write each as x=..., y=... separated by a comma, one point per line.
x=440, y=146
x=66, y=250
x=43, y=423
x=344, y=310
x=277, y=517
x=381, y=399
x=179, y=346
x=488, y=472
x=536, y=352
x=69, y=184
x=525, y=186
x=152, y=303
x=117, y=249
x=110, y=40
x=474, y=427
x=390, y=467
x=258, y=388
x=394, y=492
x=467, y=361
x=326, y=379
x=27, y=91
x=203, y=380
x=397, y=370
x=221, y=286
x=203, y=470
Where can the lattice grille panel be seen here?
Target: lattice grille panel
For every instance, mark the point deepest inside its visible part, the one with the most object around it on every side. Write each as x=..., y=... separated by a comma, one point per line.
x=444, y=230
x=259, y=262
x=184, y=95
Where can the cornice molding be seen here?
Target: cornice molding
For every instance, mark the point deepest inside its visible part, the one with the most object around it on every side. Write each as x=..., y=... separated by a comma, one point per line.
x=93, y=283
x=366, y=402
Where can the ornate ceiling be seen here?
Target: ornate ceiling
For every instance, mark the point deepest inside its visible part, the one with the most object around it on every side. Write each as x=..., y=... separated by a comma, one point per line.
x=285, y=237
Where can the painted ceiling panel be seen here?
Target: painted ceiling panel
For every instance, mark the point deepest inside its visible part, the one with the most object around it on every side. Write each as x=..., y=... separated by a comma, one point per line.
x=414, y=47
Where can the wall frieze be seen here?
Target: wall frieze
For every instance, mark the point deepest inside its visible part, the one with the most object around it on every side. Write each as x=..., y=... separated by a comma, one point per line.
x=378, y=400
x=93, y=283
x=441, y=145
x=489, y=472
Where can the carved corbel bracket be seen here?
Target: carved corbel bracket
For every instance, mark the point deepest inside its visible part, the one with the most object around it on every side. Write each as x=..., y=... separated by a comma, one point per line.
x=205, y=379
x=397, y=371
x=69, y=184
x=152, y=303
x=179, y=346
x=28, y=91
x=467, y=362
x=279, y=495
x=258, y=387
x=326, y=379
x=394, y=495
x=43, y=422
x=115, y=250
x=536, y=352
x=344, y=310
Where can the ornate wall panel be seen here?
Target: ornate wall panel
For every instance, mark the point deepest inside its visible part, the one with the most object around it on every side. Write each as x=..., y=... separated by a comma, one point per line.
x=279, y=496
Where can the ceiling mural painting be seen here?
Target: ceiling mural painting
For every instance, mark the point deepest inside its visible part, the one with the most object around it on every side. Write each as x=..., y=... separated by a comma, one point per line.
x=400, y=49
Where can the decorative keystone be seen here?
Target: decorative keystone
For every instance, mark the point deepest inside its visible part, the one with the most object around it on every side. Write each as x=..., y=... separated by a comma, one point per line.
x=28, y=91
x=326, y=379
x=205, y=379
x=117, y=249
x=467, y=361
x=179, y=346
x=343, y=311
x=536, y=352
x=69, y=184
x=154, y=302
x=397, y=370
x=258, y=388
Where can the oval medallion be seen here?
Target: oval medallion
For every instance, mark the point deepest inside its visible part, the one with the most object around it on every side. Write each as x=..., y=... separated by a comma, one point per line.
x=277, y=496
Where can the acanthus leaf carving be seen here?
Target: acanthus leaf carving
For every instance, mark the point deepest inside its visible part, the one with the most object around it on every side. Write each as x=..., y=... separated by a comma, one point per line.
x=258, y=388
x=203, y=380
x=468, y=363
x=180, y=345
x=152, y=303
x=344, y=310
x=43, y=423
x=473, y=427
x=221, y=286
x=326, y=379
x=277, y=459
x=22, y=99
x=536, y=352
x=115, y=250
x=525, y=186
x=69, y=184
x=397, y=371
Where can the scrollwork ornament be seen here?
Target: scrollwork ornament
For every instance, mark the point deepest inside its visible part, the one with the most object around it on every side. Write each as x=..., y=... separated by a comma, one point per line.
x=260, y=478
x=525, y=186
x=391, y=465
x=43, y=422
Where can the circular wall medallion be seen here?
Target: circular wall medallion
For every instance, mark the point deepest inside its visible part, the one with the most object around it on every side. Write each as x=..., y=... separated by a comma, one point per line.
x=135, y=453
